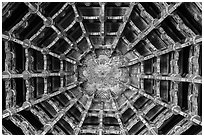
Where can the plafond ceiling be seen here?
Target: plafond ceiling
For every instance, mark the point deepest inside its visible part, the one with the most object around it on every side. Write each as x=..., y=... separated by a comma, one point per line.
x=102, y=68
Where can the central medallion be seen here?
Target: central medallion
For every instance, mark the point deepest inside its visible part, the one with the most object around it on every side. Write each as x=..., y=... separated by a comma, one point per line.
x=103, y=75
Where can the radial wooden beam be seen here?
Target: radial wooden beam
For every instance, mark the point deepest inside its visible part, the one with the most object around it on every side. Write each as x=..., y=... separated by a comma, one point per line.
x=48, y=22
x=102, y=20
x=20, y=23
x=60, y=10
x=29, y=45
x=140, y=116
x=171, y=78
x=84, y=114
x=37, y=33
x=12, y=111
x=118, y=115
x=50, y=125
x=121, y=28
x=175, y=109
x=79, y=18
x=190, y=41
x=156, y=22
x=26, y=75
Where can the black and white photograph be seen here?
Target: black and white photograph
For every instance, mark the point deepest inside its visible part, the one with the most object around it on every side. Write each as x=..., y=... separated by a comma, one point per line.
x=101, y=68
